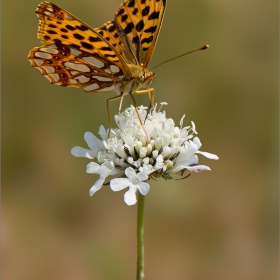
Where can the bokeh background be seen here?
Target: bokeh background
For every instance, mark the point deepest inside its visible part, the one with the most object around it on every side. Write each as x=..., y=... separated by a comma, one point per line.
x=215, y=225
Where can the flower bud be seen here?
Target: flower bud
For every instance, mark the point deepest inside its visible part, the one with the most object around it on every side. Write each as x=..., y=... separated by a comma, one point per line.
x=138, y=146
x=165, y=152
x=142, y=139
x=143, y=152
x=149, y=149
x=155, y=154
x=158, y=143
x=168, y=164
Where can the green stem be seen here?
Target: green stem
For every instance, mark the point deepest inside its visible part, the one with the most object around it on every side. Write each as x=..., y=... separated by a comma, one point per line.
x=140, y=237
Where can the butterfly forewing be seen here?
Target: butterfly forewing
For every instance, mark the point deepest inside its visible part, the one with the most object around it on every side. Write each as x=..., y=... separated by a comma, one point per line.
x=58, y=26
x=109, y=31
x=140, y=22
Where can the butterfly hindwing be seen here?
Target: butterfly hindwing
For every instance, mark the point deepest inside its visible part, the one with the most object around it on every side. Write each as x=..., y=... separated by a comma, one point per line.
x=67, y=66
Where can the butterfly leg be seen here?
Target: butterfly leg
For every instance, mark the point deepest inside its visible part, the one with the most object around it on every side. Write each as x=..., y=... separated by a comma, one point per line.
x=120, y=107
x=108, y=110
x=151, y=93
x=139, y=117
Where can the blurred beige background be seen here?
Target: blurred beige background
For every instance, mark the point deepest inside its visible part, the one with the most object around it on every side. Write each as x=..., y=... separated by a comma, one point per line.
x=218, y=225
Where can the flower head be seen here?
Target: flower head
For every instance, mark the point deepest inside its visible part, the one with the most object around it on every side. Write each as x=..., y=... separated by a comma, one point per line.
x=168, y=152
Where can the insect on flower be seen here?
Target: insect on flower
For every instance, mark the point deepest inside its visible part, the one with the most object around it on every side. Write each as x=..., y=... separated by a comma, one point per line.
x=112, y=57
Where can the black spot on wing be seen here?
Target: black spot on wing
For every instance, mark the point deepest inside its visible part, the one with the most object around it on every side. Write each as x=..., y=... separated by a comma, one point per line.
x=121, y=11
x=64, y=37
x=152, y=29
x=110, y=55
x=87, y=45
x=143, y=1
x=147, y=40
x=145, y=11
x=154, y=15
x=63, y=30
x=57, y=41
x=140, y=25
x=51, y=32
x=106, y=49
x=129, y=28
x=94, y=39
x=78, y=36
x=69, y=27
x=124, y=18
x=46, y=37
x=75, y=46
x=135, y=11
x=52, y=26
x=112, y=28
x=135, y=39
x=82, y=27
x=131, y=3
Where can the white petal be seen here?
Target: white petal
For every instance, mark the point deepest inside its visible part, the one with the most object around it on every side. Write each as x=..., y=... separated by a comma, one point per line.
x=198, y=168
x=208, y=155
x=130, y=196
x=98, y=184
x=192, y=160
x=93, y=167
x=130, y=173
x=81, y=152
x=110, y=165
x=193, y=127
x=104, y=171
x=176, y=169
x=102, y=132
x=142, y=176
x=181, y=121
x=118, y=184
x=144, y=188
x=196, y=140
x=192, y=146
x=93, y=143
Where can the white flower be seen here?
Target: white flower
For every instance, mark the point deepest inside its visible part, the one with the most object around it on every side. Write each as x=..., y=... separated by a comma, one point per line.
x=104, y=170
x=133, y=181
x=94, y=144
x=160, y=149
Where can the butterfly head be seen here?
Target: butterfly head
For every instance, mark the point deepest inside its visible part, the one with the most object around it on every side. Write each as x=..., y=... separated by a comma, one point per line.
x=146, y=78
x=143, y=76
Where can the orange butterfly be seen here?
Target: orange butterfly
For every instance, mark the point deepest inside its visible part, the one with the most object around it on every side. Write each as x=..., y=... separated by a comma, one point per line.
x=111, y=57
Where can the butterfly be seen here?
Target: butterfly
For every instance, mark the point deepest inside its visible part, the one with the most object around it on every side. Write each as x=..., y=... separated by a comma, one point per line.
x=112, y=57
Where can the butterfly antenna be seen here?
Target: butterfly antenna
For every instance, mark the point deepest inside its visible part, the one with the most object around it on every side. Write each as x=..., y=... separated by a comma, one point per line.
x=200, y=49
